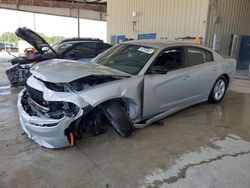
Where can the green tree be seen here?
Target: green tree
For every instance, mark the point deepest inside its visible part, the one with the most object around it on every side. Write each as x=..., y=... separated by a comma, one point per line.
x=12, y=38
x=56, y=38
x=45, y=37
x=9, y=37
x=52, y=39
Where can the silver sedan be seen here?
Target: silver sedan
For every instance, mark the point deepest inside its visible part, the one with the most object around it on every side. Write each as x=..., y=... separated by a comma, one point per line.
x=129, y=86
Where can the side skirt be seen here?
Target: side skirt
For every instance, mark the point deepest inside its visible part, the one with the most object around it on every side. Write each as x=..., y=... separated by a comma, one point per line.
x=163, y=115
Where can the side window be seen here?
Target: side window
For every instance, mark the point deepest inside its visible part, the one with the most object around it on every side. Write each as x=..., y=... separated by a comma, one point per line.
x=171, y=59
x=83, y=50
x=101, y=47
x=196, y=56
x=61, y=48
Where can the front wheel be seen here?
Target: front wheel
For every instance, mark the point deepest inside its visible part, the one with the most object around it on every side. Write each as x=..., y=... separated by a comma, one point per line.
x=119, y=118
x=218, y=90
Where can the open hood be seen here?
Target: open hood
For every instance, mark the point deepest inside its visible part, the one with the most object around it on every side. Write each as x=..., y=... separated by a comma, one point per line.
x=65, y=71
x=32, y=38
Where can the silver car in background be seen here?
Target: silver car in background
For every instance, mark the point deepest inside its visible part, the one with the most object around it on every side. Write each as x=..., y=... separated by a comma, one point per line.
x=129, y=86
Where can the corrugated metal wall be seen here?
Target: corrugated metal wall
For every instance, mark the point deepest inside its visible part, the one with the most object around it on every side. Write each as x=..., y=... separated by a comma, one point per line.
x=227, y=17
x=167, y=18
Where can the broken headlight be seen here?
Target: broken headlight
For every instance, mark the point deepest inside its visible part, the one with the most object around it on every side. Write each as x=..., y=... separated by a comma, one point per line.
x=34, y=104
x=58, y=110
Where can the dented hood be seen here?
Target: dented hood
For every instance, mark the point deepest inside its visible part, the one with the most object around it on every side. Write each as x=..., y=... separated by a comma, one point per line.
x=64, y=71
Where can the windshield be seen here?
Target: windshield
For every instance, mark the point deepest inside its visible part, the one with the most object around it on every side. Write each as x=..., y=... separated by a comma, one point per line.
x=126, y=58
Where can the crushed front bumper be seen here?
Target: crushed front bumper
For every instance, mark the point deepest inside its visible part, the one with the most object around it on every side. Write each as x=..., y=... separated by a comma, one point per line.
x=49, y=133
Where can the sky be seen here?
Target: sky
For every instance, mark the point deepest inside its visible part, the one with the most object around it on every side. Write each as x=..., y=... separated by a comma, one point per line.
x=51, y=25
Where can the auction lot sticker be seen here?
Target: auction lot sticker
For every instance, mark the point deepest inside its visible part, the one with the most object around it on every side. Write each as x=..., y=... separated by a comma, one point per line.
x=146, y=50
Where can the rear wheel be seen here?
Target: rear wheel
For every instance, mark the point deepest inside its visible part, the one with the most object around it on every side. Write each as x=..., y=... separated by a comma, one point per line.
x=218, y=90
x=118, y=118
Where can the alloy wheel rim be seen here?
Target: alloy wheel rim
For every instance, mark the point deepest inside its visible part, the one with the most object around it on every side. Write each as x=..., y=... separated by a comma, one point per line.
x=219, y=89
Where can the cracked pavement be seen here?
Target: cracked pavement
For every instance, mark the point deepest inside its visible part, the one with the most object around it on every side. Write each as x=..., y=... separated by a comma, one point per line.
x=204, y=163
x=203, y=146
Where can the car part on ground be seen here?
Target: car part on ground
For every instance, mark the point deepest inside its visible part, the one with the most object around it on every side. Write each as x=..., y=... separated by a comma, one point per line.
x=83, y=49
x=121, y=88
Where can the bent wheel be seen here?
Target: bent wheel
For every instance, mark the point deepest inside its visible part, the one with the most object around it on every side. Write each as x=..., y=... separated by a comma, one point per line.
x=119, y=118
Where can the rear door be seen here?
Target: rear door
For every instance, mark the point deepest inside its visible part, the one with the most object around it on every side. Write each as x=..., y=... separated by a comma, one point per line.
x=204, y=72
x=163, y=92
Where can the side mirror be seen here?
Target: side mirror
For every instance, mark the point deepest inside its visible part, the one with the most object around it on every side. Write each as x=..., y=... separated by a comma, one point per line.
x=158, y=70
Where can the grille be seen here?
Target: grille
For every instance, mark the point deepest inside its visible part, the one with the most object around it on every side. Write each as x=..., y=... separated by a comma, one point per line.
x=37, y=96
x=51, y=109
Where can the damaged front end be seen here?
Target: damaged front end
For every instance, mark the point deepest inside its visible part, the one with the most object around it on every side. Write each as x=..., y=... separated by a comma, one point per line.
x=56, y=124
x=46, y=122
x=81, y=84
x=55, y=110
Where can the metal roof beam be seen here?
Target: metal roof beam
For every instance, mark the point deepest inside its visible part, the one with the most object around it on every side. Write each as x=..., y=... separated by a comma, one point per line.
x=87, y=10
x=89, y=5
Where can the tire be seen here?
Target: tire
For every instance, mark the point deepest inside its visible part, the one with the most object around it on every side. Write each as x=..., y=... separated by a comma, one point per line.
x=118, y=118
x=219, y=90
x=14, y=84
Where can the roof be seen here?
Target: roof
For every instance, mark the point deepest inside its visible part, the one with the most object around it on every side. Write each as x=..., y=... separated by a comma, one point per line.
x=157, y=43
x=81, y=39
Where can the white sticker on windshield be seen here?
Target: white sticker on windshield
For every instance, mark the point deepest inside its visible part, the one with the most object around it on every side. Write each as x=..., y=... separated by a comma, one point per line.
x=146, y=50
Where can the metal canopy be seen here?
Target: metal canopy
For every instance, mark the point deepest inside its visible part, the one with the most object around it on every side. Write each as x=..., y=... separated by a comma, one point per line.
x=86, y=9
x=87, y=1
x=94, y=5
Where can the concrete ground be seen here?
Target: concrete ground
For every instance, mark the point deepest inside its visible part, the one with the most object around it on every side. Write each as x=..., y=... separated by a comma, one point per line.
x=242, y=74
x=202, y=146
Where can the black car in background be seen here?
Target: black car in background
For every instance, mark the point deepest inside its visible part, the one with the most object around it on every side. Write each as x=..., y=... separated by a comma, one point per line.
x=83, y=49
x=8, y=47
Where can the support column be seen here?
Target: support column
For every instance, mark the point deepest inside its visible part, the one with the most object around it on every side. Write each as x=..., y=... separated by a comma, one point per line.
x=78, y=21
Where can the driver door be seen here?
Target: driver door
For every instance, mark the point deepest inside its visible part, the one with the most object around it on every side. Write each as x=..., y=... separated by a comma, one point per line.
x=165, y=91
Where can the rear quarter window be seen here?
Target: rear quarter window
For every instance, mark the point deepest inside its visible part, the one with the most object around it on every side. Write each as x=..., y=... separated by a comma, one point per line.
x=209, y=55
x=196, y=56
